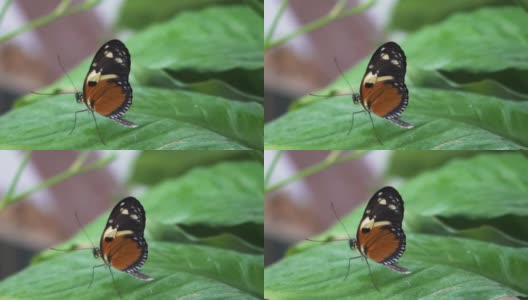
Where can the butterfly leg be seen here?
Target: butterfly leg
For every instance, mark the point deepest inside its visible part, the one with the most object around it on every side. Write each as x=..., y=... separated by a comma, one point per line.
x=75, y=120
x=348, y=269
x=93, y=271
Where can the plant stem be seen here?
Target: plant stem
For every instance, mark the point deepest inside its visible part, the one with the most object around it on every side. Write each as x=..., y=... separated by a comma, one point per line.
x=7, y=3
x=335, y=13
x=333, y=158
x=276, y=158
x=60, y=11
x=21, y=167
x=275, y=22
x=76, y=168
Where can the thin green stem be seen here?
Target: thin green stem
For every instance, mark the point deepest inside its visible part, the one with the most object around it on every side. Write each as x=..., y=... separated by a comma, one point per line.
x=7, y=3
x=61, y=10
x=275, y=22
x=74, y=170
x=332, y=159
x=12, y=187
x=334, y=15
x=274, y=162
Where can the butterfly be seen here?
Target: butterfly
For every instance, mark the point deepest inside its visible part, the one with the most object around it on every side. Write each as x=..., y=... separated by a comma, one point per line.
x=383, y=90
x=380, y=236
x=122, y=245
x=106, y=90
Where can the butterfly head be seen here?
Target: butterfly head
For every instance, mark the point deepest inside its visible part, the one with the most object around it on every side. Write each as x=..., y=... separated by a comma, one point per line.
x=96, y=252
x=352, y=243
x=79, y=97
x=355, y=98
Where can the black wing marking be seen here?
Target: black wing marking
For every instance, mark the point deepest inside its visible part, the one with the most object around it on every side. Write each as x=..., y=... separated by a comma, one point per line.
x=113, y=58
x=121, y=216
x=391, y=211
x=390, y=60
x=128, y=214
x=387, y=205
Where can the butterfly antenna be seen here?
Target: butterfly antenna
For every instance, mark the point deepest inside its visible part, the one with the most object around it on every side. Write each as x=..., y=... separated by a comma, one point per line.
x=334, y=240
x=66, y=73
x=342, y=74
x=339, y=220
x=82, y=229
x=50, y=94
x=371, y=276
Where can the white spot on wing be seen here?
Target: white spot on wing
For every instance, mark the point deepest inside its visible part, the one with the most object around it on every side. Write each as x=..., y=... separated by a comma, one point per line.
x=385, y=56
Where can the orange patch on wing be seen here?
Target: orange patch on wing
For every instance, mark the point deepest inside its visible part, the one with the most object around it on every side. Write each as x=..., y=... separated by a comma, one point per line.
x=105, y=97
x=122, y=252
x=382, y=98
x=379, y=243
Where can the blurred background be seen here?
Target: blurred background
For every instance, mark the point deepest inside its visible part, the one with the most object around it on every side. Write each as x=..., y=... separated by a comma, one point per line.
x=302, y=208
x=94, y=181
x=29, y=60
x=306, y=63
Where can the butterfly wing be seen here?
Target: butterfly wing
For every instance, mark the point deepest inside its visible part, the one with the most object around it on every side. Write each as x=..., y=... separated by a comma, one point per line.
x=380, y=235
x=122, y=243
x=383, y=90
x=106, y=88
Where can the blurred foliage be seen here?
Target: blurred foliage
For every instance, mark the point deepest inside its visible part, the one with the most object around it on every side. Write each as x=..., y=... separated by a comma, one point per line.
x=152, y=167
x=411, y=15
x=204, y=230
x=138, y=14
x=197, y=80
x=465, y=222
x=467, y=80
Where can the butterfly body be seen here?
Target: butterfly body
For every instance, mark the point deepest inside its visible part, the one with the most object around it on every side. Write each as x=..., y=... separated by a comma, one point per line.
x=383, y=90
x=122, y=244
x=106, y=90
x=380, y=236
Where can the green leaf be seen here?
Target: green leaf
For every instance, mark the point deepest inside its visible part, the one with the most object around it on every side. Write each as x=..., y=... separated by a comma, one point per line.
x=137, y=14
x=178, y=271
x=443, y=268
x=167, y=120
x=486, y=40
x=442, y=120
x=413, y=162
x=409, y=15
x=214, y=39
x=223, y=199
x=152, y=167
x=486, y=186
